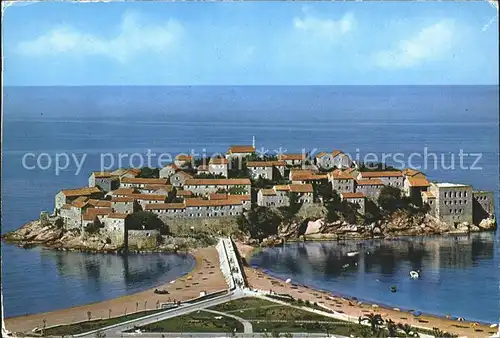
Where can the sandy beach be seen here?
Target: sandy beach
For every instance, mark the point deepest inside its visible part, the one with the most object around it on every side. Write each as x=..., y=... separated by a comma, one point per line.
x=259, y=280
x=206, y=276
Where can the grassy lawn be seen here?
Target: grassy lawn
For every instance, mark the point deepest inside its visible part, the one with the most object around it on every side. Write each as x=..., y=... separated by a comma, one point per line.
x=94, y=324
x=195, y=322
x=344, y=329
x=242, y=303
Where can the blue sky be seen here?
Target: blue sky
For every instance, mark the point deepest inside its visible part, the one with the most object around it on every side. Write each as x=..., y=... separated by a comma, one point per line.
x=253, y=43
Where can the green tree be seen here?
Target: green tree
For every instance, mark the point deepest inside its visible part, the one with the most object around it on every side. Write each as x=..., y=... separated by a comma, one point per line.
x=408, y=330
x=59, y=223
x=94, y=227
x=391, y=327
x=333, y=206
x=323, y=189
x=262, y=222
x=375, y=321
x=390, y=199
x=145, y=220
x=147, y=172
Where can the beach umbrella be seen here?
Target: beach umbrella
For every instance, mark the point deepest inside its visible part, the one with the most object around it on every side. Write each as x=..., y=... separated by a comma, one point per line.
x=416, y=313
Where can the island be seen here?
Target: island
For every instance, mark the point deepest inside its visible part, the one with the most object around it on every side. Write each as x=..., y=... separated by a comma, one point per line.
x=259, y=200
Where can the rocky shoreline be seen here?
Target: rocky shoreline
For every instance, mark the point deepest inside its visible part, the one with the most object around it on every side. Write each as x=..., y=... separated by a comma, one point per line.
x=397, y=225
x=36, y=234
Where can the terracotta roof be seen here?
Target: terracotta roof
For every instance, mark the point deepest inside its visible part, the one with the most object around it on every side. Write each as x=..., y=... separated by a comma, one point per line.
x=336, y=152
x=171, y=165
x=92, y=213
x=340, y=175
x=79, y=204
x=350, y=170
x=184, y=193
x=241, y=149
x=370, y=174
x=194, y=202
x=309, y=177
x=240, y=198
x=352, y=195
x=158, y=187
x=102, y=174
x=303, y=188
x=100, y=203
x=321, y=154
x=369, y=182
x=81, y=191
x=268, y=192
x=134, y=180
x=216, y=196
x=123, y=171
x=411, y=172
x=164, y=206
x=418, y=182
x=148, y=197
x=219, y=181
x=282, y=187
x=291, y=157
x=428, y=194
x=266, y=164
x=123, y=191
x=218, y=160
x=118, y=215
x=122, y=199
x=183, y=157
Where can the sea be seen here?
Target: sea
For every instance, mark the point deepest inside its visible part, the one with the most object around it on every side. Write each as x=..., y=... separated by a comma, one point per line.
x=53, y=137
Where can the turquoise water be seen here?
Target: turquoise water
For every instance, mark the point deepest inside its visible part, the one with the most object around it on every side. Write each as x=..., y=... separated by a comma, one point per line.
x=92, y=120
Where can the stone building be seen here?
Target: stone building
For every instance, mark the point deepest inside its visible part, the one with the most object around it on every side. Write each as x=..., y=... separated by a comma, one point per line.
x=429, y=199
x=116, y=222
x=408, y=172
x=183, y=161
x=121, y=192
x=335, y=159
x=104, y=180
x=357, y=198
x=482, y=205
x=167, y=210
x=156, y=189
x=198, y=208
x=267, y=169
x=168, y=170
x=124, y=205
x=273, y=198
x=293, y=159
x=370, y=188
x=391, y=178
x=218, y=166
x=240, y=151
x=413, y=187
x=143, y=199
x=135, y=182
x=453, y=202
x=179, y=178
x=307, y=177
x=130, y=172
x=99, y=203
x=69, y=195
x=205, y=187
x=341, y=181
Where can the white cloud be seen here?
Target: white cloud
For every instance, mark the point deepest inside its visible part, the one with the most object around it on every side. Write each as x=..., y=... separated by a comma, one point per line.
x=132, y=39
x=323, y=28
x=430, y=43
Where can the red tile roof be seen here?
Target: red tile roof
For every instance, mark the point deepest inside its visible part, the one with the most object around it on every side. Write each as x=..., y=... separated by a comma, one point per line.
x=100, y=203
x=428, y=194
x=218, y=160
x=291, y=157
x=118, y=215
x=102, y=174
x=301, y=188
x=369, y=182
x=148, y=197
x=371, y=174
x=266, y=164
x=418, y=182
x=92, y=213
x=135, y=180
x=81, y=191
x=219, y=181
x=122, y=191
x=241, y=149
x=122, y=199
x=352, y=195
x=194, y=202
x=183, y=157
x=268, y=192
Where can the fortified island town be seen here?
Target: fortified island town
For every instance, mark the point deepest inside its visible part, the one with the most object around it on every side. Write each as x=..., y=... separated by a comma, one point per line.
x=266, y=198
x=220, y=209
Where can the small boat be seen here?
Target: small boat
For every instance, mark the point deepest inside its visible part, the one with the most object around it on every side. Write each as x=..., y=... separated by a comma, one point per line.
x=414, y=274
x=352, y=254
x=393, y=288
x=288, y=281
x=345, y=266
x=161, y=292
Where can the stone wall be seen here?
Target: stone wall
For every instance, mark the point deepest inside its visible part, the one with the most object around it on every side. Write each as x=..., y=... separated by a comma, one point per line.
x=142, y=239
x=185, y=226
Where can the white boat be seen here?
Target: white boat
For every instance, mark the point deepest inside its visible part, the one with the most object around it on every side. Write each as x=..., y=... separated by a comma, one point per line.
x=288, y=281
x=352, y=254
x=414, y=274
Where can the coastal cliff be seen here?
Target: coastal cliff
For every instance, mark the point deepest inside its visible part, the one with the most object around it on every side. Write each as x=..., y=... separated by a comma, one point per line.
x=48, y=235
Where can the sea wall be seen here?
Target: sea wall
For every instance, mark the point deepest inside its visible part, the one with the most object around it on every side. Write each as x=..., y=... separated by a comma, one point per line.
x=213, y=225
